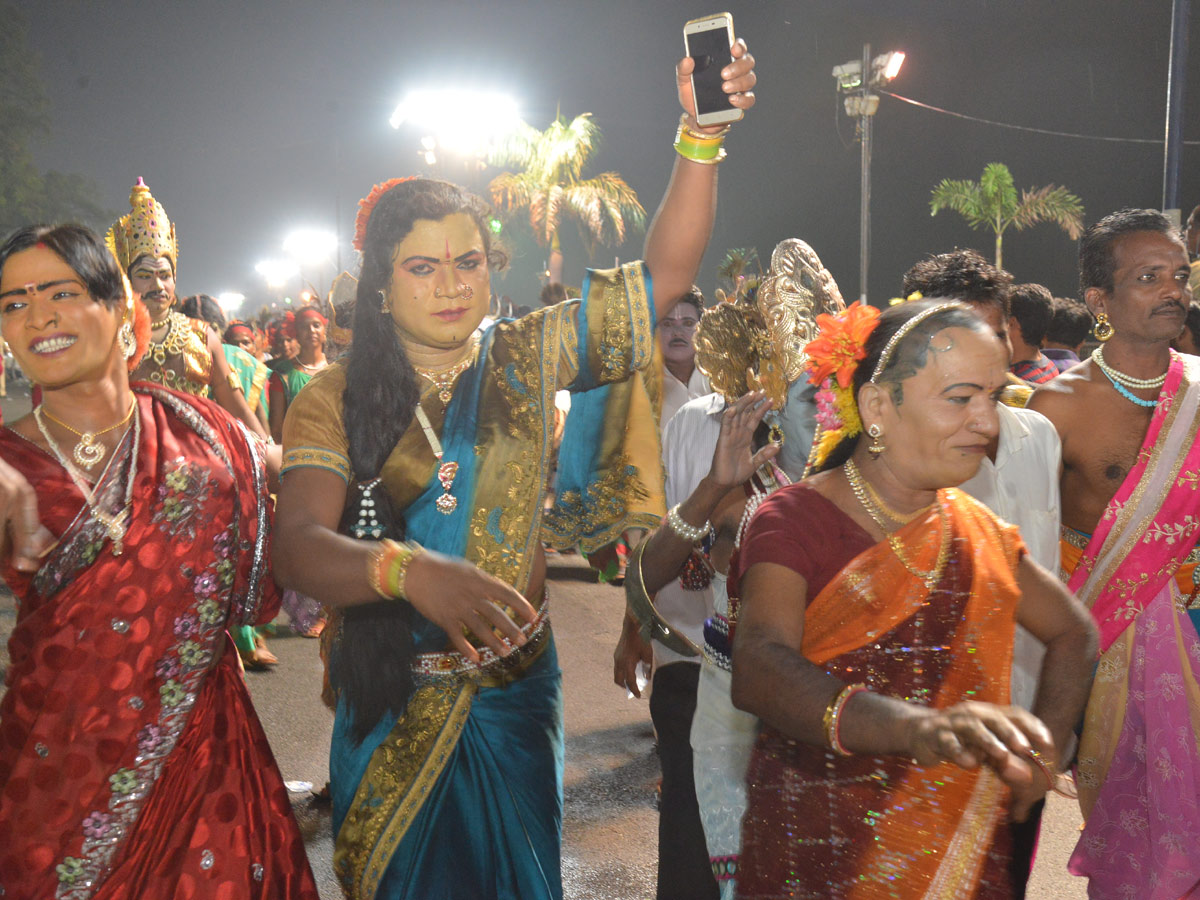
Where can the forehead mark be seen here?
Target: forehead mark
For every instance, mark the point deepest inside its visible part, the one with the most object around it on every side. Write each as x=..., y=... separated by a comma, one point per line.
x=447, y=249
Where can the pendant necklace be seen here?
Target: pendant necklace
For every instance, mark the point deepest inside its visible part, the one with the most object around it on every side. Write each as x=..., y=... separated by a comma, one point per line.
x=117, y=526
x=446, y=471
x=87, y=452
x=443, y=380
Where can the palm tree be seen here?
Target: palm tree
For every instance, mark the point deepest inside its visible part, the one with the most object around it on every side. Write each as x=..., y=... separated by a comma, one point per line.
x=735, y=266
x=992, y=203
x=552, y=188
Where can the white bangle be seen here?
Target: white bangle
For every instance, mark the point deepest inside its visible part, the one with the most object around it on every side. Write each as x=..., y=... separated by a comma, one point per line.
x=691, y=533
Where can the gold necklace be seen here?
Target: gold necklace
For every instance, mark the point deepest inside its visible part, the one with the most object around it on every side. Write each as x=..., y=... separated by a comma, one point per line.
x=315, y=367
x=930, y=579
x=87, y=452
x=443, y=379
x=117, y=526
x=445, y=471
x=894, y=514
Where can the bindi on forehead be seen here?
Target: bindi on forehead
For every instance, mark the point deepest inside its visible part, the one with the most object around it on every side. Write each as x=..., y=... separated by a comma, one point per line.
x=447, y=249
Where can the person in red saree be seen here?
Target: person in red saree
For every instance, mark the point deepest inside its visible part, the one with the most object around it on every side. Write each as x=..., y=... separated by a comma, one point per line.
x=875, y=615
x=134, y=531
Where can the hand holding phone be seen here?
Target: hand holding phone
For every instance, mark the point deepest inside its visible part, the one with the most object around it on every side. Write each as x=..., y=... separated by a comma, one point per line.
x=728, y=78
x=707, y=41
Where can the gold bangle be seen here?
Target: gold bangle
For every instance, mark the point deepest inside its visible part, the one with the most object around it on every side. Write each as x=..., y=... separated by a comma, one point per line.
x=701, y=136
x=394, y=570
x=831, y=721
x=374, y=567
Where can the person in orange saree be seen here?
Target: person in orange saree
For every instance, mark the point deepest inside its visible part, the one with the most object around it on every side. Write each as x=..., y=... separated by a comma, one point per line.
x=874, y=609
x=134, y=531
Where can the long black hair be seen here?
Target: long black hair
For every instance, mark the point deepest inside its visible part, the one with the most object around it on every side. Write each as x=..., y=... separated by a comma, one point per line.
x=908, y=357
x=370, y=662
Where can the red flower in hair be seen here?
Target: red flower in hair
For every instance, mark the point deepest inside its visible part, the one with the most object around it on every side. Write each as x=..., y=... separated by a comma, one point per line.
x=366, y=206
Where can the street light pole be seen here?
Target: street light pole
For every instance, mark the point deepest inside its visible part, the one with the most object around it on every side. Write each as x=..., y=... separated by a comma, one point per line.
x=864, y=211
x=1176, y=79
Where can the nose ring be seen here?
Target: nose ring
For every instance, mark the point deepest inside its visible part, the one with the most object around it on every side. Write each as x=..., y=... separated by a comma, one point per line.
x=465, y=291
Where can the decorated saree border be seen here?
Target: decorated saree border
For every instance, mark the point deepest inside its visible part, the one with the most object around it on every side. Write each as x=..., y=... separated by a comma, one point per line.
x=316, y=458
x=403, y=769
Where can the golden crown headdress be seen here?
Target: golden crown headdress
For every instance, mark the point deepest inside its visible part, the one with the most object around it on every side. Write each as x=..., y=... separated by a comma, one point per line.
x=759, y=343
x=145, y=231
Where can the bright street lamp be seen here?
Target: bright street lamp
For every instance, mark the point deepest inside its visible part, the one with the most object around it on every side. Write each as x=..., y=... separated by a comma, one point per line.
x=458, y=121
x=310, y=246
x=861, y=104
x=277, y=272
x=230, y=302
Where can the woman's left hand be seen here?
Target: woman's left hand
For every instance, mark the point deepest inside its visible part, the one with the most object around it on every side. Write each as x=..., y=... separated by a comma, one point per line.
x=739, y=82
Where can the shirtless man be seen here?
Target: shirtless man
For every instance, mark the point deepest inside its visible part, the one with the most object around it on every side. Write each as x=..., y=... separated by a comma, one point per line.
x=1128, y=418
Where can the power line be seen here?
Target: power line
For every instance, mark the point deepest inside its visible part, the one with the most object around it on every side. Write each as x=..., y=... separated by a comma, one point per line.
x=1067, y=134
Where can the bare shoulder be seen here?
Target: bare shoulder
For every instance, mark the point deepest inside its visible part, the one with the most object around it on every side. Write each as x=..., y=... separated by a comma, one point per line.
x=1066, y=397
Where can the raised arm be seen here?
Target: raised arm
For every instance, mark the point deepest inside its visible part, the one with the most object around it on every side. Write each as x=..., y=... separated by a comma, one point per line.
x=680, y=230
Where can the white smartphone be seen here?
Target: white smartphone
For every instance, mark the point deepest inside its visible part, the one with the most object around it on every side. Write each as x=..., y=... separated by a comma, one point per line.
x=707, y=40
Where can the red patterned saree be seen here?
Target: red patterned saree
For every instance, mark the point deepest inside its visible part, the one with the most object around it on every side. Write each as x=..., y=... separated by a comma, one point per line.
x=131, y=761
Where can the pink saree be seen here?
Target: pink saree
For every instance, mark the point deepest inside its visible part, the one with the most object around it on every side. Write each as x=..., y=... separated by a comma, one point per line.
x=1139, y=757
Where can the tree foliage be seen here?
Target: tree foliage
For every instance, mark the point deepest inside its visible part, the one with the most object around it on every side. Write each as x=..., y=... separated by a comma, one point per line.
x=992, y=203
x=28, y=195
x=552, y=189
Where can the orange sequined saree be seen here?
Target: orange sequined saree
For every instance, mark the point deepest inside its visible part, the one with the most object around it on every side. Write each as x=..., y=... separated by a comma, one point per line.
x=869, y=828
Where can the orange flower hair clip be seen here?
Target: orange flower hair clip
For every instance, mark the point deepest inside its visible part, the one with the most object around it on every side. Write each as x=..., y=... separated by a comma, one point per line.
x=366, y=206
x=833, y=355
x=840, y=343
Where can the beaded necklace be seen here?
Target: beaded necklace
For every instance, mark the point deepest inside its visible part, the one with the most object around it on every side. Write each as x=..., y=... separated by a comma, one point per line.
x=1126, y=384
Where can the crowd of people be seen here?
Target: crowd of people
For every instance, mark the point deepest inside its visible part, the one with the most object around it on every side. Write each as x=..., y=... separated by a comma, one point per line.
x=896, y=575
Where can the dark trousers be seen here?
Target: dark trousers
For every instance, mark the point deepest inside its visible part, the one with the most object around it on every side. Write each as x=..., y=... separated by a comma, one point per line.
x=1024, y=844
x=683, y=867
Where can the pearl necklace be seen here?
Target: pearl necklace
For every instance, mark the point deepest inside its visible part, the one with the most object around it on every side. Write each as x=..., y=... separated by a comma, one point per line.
x=1134, y=384
x=315, y=367
x=773, y=479
x=934, y=575
x=118, y=525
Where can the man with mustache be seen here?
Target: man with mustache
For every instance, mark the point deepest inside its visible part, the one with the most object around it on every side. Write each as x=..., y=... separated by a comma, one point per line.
x=184, y=354
x=682, y=381
x=1128, y=419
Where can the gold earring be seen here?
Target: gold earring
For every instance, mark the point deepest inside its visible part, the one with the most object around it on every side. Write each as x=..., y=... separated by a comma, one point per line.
x=876, y=447
x=128, y=341
x=383, y=303
x=1103, y=330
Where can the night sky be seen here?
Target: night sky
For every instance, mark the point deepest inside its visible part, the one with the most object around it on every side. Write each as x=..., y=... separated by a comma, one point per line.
x=247, y=120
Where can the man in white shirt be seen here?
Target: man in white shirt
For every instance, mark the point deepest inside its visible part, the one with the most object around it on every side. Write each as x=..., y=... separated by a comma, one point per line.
x=1018, y=479
x=682, y=381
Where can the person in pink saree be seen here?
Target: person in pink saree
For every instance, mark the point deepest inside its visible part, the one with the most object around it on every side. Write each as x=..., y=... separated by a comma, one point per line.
x=1131, y=514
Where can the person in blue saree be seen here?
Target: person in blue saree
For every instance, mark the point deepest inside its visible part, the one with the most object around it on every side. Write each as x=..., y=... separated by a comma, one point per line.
x=446, y=759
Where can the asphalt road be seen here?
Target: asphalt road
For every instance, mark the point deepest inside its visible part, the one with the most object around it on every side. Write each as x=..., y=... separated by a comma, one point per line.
x=610, y=824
